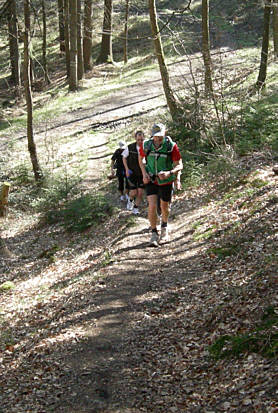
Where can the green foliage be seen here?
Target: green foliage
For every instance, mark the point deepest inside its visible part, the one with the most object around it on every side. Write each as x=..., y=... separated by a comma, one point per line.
x=264, y=340
x=7, y=285
x=56, y=190
x=22, y=174
x=225, y=251
x=81, y=213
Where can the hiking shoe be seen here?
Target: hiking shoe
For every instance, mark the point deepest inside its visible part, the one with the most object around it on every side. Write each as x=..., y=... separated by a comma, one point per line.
x=122, y=198
x=164, y=235
x=135, y=211
x=129, y=205
x=154, y=239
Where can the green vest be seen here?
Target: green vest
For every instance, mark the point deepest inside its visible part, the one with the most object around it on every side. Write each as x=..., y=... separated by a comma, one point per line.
x=158, y=160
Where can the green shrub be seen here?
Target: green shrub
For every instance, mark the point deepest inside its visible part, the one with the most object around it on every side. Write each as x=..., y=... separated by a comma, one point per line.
x=81, y=213
x=56, y=190
x=264, y=340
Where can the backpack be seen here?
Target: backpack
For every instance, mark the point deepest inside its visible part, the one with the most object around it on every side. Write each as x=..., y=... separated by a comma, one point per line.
x=169, y=146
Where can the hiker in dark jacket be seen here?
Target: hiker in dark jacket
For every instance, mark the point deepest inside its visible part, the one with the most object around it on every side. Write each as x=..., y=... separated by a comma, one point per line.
x=134, y=173
x=117, y=164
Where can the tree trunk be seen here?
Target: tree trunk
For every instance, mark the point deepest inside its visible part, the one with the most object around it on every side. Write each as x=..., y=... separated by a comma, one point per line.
x=4, y=252
x=67, y=36
x=80, y=61
x=265, y=46
x=171, y=101
x=106, y=53
x=126, y=31
x=44, y=45
x=4, y=199
x=73, y=80
x=206, y=47
x=87, y=37
x=275, y=29
x=13, y=42
x=61, y=25
x=28, y=95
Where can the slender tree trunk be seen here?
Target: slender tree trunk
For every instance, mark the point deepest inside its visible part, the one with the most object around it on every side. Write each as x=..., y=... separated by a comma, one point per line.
x=87, y=37
x=28, y=94
x=73, y=80
x=4, y=194
x=61, y=25
x=171, y=101
x=13, y=42
x=67, y=36
x=206, y=47
x=44, y=44
x=275, y=29
x=265, y=46
x=126, y=31
x=80, y=61
x=4, y=251
x=106, y=53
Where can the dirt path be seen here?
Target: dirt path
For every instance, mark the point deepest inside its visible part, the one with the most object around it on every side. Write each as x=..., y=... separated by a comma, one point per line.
x=136, y=276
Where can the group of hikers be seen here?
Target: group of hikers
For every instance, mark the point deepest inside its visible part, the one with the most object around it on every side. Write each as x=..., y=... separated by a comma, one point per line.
x=153, y=165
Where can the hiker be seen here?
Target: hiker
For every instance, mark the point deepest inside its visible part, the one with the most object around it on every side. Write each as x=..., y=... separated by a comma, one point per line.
x=176, y=186
x=117, y=164
x=160, y=161
x=133, y=173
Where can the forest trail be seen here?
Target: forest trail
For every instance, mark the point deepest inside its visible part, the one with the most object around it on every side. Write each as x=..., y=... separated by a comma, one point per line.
x=103, y=323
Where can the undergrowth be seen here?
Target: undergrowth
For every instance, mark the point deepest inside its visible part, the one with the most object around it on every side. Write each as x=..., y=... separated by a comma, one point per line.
x=263, y=340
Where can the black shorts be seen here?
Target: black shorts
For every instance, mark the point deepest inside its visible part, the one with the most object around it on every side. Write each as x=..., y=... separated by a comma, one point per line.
x=163, y=191
x=135, y=182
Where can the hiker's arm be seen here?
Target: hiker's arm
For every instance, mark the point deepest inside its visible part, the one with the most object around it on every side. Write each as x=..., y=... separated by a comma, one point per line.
x=177, y=167
x=127, y=173
x=112, y=167
x=178, y=181
x=146, y=177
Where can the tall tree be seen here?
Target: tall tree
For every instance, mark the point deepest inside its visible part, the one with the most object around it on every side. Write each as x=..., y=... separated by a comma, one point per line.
x=106, y=53
x=126, y=31
x=28, y=94
x=206, y=47
x=171, y=101
x=13, y=44
x=67, y=35
x=73, y=80
x=61, y=25
x=275, y=29
x=87, y=36
x=265, y=46
x=44, y=43
x=80, y=61
x=4, y=193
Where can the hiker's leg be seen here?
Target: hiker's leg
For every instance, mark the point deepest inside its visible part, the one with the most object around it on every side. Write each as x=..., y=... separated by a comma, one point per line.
x=139, y=196
x=132, y=194
x=165, y=199
x=164, y=210
x=121, y=184
x=152, y=200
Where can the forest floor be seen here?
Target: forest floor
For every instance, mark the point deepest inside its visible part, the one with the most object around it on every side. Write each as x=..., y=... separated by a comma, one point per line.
x=101, y=322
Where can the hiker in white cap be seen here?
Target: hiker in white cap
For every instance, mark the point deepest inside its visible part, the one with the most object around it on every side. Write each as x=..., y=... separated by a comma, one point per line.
x=160, y=161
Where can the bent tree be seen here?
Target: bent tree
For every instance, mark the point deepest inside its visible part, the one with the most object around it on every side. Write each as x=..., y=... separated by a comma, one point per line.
x=28, y=94
x=206, y=47
x=265, y=46
x=13, y=44
x=106, y=53
x=173, y=106
x=87, y=35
